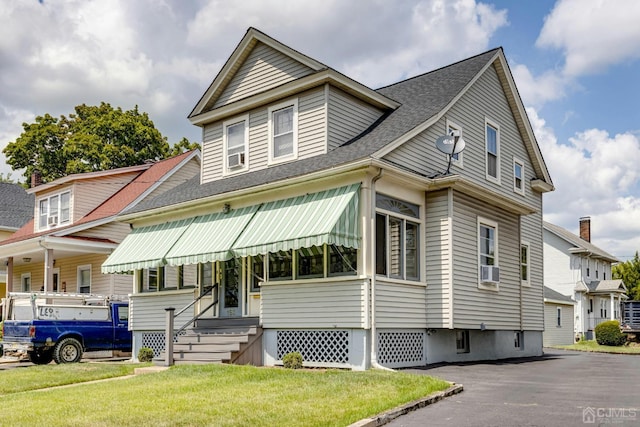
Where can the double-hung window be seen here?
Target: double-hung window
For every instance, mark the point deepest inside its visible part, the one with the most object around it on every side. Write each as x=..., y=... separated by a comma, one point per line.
x=518, y=176
x=283, y=131
x=54, y=210
x=524, y=263
x=397, y=238
x=488, y=254
x=236, y=141
x=492, y=142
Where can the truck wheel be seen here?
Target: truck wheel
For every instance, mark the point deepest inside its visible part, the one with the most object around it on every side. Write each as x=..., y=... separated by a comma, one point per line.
x=67, y=350
x=41, y=357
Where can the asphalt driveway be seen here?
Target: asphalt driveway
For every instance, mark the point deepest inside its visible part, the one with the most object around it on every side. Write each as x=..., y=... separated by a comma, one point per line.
x=563, y=388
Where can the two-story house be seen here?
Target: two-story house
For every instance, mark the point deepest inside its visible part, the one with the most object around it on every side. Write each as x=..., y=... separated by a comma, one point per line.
x=576, y=268
x=323, y=214
x=16, y=209
x=73, y=229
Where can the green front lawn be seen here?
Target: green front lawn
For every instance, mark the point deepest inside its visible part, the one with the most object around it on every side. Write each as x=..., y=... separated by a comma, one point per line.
x=595, y=347
x=221, y=395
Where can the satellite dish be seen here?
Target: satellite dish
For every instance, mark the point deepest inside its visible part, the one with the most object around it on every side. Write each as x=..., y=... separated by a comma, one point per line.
x=448, y=144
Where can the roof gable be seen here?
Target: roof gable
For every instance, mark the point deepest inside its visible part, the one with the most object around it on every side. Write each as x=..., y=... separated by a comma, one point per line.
x=256, y=53
x=125, y=198
x=580, y=245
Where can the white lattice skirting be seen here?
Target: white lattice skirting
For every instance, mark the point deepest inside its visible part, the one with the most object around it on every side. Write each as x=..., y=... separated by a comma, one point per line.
x=315, y=346
x=398, y=349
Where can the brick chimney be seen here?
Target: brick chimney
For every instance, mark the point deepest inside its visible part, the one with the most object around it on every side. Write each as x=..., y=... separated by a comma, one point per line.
x=585, y=228
x=36, y=178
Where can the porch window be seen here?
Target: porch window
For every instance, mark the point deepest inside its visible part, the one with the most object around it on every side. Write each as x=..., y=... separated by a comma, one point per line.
x=310, y=262
x=257, y=272
x=397, y=239
x=462, y=341
x=342, y=261
x=167, y=278
x=84, y=279
x=232, y=273
x=283, y=130
x=281, y=265
x=236, y=138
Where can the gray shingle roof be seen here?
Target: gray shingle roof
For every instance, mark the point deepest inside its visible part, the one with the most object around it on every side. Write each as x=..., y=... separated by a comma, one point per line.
x=421, y=98
x=578, y=242
x=16, y=206
x=615, y=285
x=556, y=296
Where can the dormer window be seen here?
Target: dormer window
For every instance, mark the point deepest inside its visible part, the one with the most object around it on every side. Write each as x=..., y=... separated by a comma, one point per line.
x=54, y=210
x=283, y=132
x=235, y=145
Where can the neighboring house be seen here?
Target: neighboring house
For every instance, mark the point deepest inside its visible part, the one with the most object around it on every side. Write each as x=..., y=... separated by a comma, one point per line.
x=16, y=208
x=74, y=228
x=558, y=318
x=576, y=268
x=322, y=212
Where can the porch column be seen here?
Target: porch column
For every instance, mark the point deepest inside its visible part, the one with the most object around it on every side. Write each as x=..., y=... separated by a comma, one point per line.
x=10, y=274
x=48, y=270
x=612, y=315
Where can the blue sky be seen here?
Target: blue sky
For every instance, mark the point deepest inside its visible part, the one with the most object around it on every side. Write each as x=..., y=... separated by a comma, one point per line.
x=576, y=64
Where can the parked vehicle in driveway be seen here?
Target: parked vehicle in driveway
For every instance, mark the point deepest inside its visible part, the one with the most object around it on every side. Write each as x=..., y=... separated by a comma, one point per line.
x=61, y=327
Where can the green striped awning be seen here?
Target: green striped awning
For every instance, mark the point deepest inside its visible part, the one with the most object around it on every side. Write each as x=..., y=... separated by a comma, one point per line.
x=210, y=237
x=145, y=247
x=329, y=216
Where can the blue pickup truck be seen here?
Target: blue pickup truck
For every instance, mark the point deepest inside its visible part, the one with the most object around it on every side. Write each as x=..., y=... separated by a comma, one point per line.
x=60, y=327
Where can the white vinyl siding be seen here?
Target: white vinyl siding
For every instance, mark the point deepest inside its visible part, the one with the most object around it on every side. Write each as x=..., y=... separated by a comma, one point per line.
x=484, y=99
x=147, y=311
x=471, y=305
x=439, y=259
x=400, y=305
x=311, y=134
x=314, y=304
x=348, y=117
x=263, y=69
x=554, y=334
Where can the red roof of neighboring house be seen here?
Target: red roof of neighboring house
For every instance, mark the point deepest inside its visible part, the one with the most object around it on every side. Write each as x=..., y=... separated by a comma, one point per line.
x=113, y=205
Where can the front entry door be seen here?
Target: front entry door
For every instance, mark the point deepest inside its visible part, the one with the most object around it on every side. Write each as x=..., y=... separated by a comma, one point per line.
x=231, y=291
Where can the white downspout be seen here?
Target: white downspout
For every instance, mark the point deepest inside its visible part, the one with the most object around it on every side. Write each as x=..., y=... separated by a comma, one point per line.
x=372, y=266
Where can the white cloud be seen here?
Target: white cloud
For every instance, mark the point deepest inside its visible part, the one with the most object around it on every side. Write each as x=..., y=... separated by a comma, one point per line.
x=537, y=90
x=593, y=34
x=595, y=175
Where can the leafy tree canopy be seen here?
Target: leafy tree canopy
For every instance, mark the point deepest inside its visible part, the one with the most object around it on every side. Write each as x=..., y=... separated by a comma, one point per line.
x=629, y=272
x=93, y=138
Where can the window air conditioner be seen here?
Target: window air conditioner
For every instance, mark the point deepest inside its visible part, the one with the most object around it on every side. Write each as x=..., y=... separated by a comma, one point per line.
x=53, y=220
x=489, y=274
x=235, y=160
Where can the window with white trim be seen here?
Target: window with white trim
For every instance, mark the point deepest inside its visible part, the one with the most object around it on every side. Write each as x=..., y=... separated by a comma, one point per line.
x=168, y=278
x=397, y=238
x=518, y=176
x=314, y=262
x=54, y=210
x=453, y=130
x=84, y=279
x=236, y=145
x=492, y=157
x=524, y=263
x=283, y=131
x=489, y=272
x=25, y=282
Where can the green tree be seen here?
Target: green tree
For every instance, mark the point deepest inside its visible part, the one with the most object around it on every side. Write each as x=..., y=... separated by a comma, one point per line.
x=629, y=272
x=92, y=138
x=183, y=146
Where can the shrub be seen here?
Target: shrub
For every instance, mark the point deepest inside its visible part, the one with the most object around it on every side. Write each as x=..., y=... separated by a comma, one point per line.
x=608, y=333
x=145, y=354
x=292, y=360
